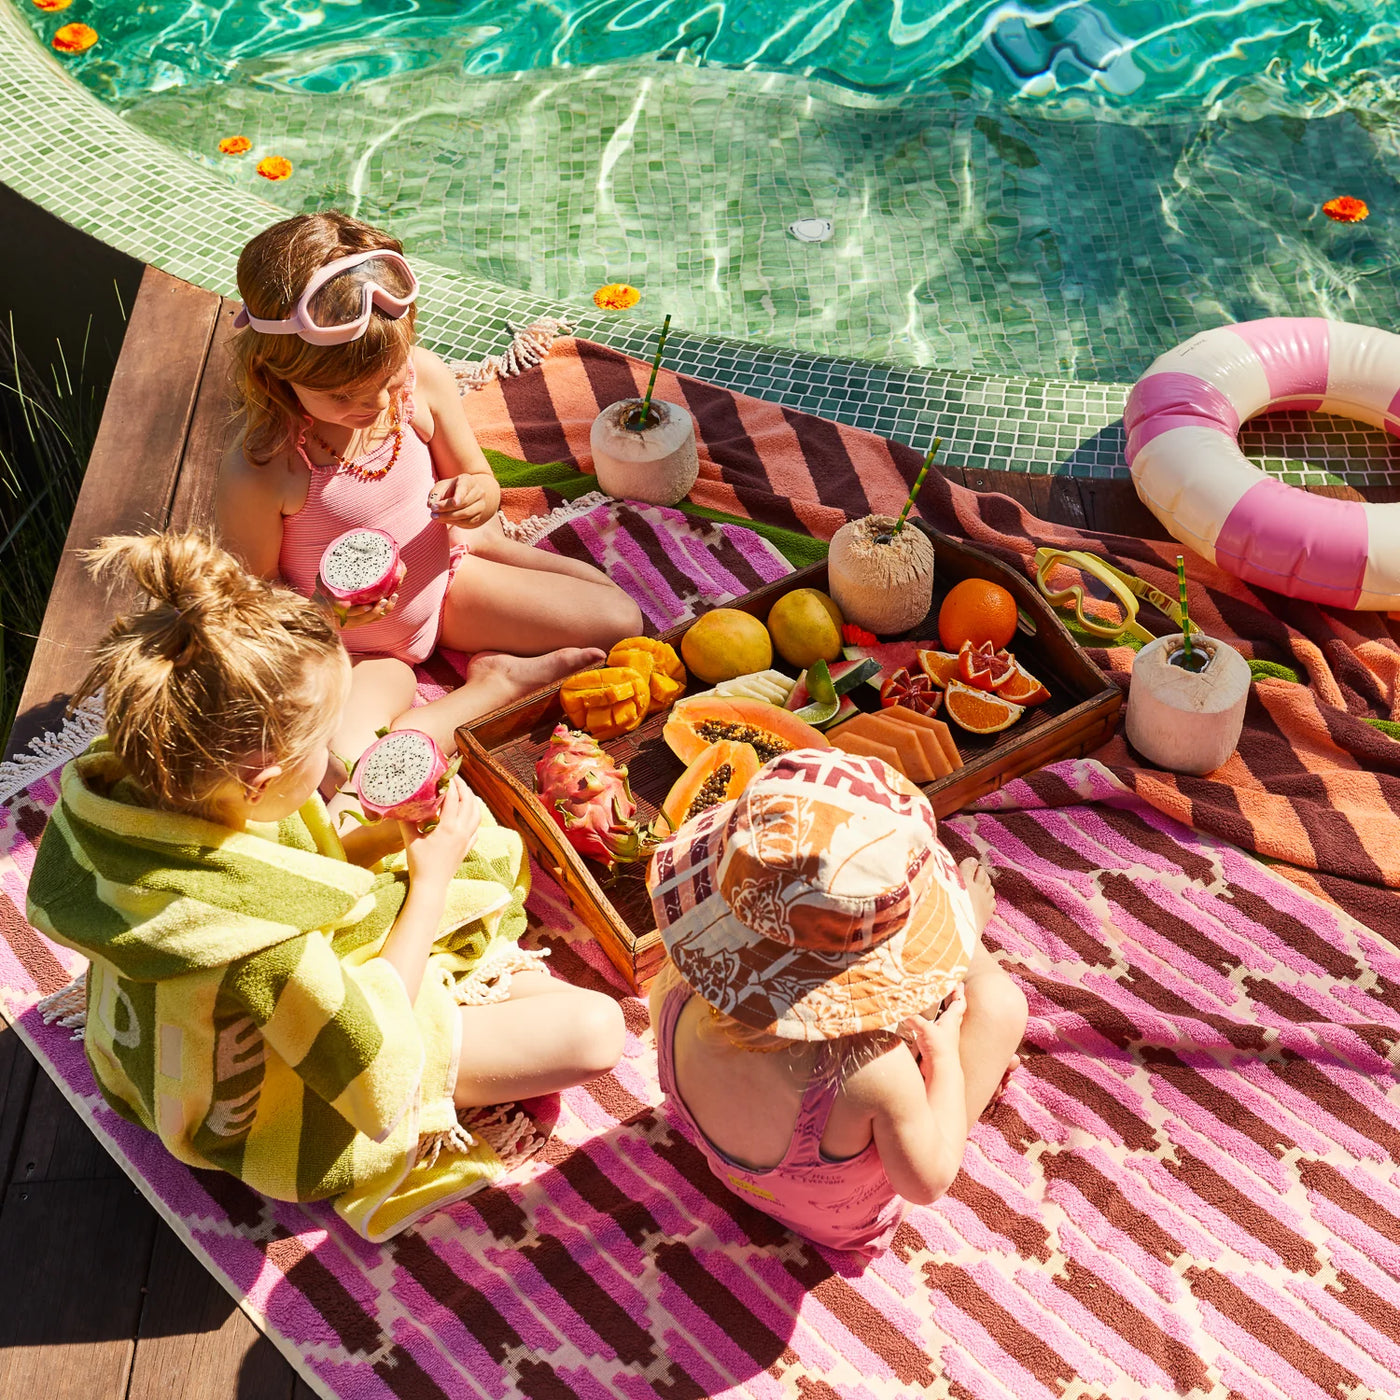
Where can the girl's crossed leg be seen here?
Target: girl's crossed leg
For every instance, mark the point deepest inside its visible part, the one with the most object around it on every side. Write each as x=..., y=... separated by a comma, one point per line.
x=547, y=1036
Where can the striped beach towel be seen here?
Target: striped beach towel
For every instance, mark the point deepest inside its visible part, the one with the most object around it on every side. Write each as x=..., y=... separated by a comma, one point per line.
x=1188, y=1190
x=236, y=1006
x=1315, y=785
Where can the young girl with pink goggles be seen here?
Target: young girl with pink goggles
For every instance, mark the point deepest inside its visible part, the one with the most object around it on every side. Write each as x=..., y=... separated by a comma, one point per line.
x=346, y=423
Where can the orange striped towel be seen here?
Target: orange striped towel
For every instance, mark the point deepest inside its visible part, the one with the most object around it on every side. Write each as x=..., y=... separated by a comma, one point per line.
x=1312, y=785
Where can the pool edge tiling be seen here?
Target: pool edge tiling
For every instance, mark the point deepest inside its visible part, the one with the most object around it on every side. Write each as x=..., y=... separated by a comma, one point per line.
x=63, y=150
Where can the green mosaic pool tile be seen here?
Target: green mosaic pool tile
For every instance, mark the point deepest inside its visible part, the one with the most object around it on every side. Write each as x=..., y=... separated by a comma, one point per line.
x=102, y=174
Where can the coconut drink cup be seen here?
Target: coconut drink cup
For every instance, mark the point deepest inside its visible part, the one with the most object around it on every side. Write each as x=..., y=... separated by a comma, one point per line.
x=881, y=578
x=657, y=463
x=1187, y=721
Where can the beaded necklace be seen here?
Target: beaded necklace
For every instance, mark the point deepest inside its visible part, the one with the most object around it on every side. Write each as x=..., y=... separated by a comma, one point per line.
x=354, y=468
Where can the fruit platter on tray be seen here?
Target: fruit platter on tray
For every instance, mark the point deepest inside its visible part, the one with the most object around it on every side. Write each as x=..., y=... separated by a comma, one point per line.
x=984, y=685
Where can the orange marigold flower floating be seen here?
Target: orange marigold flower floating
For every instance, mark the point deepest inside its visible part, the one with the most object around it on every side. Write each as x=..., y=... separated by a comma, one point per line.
x=50, y=6
x=616, y=296
x=74, y=38
x=275, y=168
x=1346, y=210
x=235, y=145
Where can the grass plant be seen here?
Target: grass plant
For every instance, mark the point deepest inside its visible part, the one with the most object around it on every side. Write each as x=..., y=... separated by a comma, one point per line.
x=48, y=423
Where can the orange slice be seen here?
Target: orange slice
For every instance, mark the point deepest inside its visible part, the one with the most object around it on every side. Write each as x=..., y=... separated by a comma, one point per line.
x=984, y=667
x=939, y=666
x=1021, y=688
x=978, y=711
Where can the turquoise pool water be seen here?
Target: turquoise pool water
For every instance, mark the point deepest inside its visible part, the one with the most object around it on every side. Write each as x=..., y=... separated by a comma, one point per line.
x=1049, y=189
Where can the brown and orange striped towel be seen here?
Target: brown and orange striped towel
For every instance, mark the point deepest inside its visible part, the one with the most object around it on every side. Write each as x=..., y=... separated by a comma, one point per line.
x=1313, y=786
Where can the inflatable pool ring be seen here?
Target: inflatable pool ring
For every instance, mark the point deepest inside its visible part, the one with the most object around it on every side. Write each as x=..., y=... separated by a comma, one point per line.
x=1182, y=419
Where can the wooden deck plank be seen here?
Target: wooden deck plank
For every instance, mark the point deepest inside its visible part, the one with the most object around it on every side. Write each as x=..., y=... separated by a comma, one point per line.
x=212, y=424
x=56, y=1145
x=194, y=1343
x=129, y=483
x=18, y=1071
x=77, y=1255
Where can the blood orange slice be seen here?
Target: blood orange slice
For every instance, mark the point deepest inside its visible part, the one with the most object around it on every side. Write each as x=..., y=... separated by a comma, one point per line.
x=983, y=666
x=939, y=666
x=1020, y=687
x=916, y=693
x=979, y=711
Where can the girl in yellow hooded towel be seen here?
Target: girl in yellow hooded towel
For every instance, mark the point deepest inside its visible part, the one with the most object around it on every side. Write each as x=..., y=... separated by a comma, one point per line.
x=305, y=1012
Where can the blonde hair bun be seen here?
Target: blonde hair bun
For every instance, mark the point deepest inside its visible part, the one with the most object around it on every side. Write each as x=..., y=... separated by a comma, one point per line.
x=221, y=669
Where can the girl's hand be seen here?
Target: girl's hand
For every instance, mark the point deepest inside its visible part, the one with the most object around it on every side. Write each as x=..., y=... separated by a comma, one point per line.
x=936, y=1042
x=361, y=613
x=468, y=499
x=433, y=857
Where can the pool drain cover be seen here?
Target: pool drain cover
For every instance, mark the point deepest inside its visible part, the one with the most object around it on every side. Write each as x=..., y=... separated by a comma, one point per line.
x=811, y=230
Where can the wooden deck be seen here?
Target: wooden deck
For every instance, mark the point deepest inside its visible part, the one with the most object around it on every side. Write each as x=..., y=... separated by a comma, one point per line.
x=98, y=1298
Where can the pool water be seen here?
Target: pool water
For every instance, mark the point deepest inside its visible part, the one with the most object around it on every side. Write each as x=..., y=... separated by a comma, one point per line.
x=1057, y=190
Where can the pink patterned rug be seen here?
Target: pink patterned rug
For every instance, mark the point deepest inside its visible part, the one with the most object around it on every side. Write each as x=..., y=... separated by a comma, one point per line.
x=1190, y=1189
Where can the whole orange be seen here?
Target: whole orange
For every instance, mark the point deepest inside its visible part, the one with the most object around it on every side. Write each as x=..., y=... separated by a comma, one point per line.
x=977, y=610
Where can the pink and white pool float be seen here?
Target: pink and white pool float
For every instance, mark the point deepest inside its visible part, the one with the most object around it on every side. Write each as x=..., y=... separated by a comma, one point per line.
x=1182, y=419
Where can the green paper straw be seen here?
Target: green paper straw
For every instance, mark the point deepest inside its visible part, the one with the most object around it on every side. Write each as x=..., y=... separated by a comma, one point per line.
x=918, y=482
x=1185, y=617
x=644, y=413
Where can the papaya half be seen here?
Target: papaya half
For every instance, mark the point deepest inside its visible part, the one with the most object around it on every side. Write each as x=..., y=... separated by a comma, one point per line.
x=706, y=719
x=720, y=774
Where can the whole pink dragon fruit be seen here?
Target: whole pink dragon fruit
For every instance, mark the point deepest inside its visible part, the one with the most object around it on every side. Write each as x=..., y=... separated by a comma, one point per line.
x=403, y=776
x=360, y=566
x=588, y=795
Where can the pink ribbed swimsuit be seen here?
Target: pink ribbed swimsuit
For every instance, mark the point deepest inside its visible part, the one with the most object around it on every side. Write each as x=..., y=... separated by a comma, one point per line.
x=397, y=503
x=845, y=1204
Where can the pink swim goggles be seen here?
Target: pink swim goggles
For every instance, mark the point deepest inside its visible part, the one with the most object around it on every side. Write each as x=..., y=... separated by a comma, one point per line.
x=301, y=323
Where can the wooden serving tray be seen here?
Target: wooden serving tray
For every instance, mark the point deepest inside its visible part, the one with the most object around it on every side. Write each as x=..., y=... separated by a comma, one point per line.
x=500, y=750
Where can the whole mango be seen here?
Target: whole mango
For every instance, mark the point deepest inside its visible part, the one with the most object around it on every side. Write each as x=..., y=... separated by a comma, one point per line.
x=806, y=627
x=726, y=643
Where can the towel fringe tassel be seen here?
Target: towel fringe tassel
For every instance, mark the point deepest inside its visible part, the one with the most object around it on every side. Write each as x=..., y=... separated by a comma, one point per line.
x=432, y=1145
x=508, y=1131
x=51, y=750
x=529, y=345
x=533, y=528
x=67, y=1006
x=485, y=986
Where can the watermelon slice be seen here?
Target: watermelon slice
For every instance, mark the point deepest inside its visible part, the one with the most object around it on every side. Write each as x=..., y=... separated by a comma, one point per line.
x=845, y=676
x=846, y=708
x=890, y=656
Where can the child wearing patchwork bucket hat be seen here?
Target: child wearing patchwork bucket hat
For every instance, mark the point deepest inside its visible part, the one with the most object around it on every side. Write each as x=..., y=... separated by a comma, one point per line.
x=814, y=927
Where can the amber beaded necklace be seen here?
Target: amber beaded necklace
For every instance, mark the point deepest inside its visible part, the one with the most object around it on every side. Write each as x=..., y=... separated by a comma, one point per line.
x=355, y=468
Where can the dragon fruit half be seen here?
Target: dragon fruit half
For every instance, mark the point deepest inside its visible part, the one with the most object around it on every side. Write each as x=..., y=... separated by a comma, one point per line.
x=403, y=776
x=360, y=566
x=587, y=794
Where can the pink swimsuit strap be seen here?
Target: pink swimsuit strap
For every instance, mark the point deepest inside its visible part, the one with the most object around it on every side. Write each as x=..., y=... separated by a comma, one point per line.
x=845, y=1204
x=818, y=1098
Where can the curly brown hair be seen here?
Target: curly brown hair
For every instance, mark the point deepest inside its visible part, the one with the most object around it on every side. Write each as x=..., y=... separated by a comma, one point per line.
x=222, y=672
x=273, y=271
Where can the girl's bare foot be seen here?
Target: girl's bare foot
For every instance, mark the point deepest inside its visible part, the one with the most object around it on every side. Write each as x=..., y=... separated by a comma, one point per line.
x=494, y=679
x=502, y=678
x=979, y=889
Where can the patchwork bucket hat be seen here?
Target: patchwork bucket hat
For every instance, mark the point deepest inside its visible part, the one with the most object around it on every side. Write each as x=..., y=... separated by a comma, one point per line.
x=820, y=903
